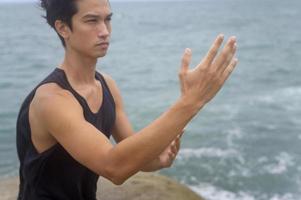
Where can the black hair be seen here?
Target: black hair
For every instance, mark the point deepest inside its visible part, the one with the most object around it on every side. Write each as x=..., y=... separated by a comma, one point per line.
x=62, y=10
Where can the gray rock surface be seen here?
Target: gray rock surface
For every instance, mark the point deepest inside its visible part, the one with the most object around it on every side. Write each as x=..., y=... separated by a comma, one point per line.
x=142, y=186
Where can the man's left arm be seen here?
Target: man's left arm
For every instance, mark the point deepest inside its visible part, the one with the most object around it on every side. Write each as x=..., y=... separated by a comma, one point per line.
x=123, y=129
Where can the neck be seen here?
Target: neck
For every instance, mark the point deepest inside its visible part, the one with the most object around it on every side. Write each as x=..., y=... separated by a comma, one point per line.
x=79, y=69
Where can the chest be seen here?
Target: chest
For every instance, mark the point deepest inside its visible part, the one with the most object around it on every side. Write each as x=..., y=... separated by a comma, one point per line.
x=93, y=96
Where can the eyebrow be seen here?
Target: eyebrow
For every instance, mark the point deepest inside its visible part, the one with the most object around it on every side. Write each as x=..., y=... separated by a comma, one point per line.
x=96, y=16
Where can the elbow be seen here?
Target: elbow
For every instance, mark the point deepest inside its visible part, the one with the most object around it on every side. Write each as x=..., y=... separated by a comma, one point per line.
x=116, y=171
x=118, y=181
x=114, y=176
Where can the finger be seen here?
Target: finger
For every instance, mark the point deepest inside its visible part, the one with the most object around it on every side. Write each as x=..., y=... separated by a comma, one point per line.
x=178, y=144
x=211, y=92
x=230, y=57
x=186, y=59
x=229, y=49
x=213, y=51
x=172, y=155
x=229, y=69
x=174, y=148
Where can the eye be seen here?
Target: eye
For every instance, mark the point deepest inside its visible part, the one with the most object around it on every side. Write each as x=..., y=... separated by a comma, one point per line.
x=91, y=21
x=109, y=19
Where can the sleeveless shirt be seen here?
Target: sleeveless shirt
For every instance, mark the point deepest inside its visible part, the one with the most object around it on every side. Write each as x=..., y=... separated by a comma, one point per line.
x=54, y=174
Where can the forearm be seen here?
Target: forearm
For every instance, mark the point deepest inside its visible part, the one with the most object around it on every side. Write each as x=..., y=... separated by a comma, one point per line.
x=135, y=152
x=152, y=166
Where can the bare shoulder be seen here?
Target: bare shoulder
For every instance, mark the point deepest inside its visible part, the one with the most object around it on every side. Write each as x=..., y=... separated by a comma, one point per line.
x=51, y=100
x=49, y=90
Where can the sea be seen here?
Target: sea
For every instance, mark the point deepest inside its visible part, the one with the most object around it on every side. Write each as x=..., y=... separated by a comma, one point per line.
x=243, y=145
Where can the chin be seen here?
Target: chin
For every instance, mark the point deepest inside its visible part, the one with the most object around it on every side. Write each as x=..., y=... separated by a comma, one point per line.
x=101, y=55
x=98, y=54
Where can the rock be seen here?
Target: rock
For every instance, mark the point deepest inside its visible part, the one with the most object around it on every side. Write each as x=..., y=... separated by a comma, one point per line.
x=9, y=188
x=142, y=186
x=146, y=186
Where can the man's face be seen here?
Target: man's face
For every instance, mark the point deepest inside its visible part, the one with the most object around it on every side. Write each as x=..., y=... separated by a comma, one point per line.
x=91, y=28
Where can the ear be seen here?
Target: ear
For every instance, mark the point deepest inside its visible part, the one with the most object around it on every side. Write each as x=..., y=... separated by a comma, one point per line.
x=63, y=29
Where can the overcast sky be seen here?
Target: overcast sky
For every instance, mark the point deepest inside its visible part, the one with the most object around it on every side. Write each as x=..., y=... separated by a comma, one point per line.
x=36, y=0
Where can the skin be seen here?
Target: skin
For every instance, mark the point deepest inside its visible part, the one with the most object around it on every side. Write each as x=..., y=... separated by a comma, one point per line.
x=134, y=152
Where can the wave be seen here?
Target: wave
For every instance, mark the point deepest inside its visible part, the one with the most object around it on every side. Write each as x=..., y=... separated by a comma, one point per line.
x=289, y=97
x=283, y=161
x=210, y=192
x=207, y=152
x=279, y=164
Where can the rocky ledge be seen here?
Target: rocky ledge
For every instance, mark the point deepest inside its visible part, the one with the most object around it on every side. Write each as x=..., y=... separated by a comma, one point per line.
x=142, y=186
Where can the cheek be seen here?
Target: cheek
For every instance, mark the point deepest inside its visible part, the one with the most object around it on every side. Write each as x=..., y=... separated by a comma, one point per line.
x=84, y=36
x=85, y=32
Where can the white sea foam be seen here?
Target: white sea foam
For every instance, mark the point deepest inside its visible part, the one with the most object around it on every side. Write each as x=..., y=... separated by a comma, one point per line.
x=207, y=152
x=284, y=160
x=284, y=197
x=233, y=134
x=210, y=192
x=289, y=97
x=231, y=109
x=262, y=159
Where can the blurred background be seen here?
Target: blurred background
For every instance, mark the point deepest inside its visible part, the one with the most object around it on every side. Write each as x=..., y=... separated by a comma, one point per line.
x=244, y=145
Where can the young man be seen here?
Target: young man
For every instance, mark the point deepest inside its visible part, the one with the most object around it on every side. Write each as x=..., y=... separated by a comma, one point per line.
x=64, y=124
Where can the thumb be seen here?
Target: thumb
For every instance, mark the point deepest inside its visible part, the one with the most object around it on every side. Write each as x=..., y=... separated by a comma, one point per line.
x=186, y=60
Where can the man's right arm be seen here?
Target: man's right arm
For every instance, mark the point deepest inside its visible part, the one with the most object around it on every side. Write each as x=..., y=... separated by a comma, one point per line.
x=63, y=117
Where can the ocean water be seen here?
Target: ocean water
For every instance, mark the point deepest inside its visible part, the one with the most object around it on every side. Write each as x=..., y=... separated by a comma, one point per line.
x=244, y=145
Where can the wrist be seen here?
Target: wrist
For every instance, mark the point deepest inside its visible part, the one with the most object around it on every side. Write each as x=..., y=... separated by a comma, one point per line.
x=189, y=105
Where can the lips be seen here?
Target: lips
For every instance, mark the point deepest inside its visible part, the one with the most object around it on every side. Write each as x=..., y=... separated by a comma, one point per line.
x=103, y=44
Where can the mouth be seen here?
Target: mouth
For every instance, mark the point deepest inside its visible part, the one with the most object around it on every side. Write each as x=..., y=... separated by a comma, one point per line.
x=103, y=44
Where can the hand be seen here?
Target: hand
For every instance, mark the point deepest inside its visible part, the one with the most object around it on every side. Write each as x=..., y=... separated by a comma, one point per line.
x=167, y=157
x=200, y=84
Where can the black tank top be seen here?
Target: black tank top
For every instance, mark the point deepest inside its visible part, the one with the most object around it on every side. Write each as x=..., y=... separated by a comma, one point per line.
x=54, y=174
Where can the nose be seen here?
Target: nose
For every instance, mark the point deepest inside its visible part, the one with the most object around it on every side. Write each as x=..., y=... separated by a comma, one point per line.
x=103, y=30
